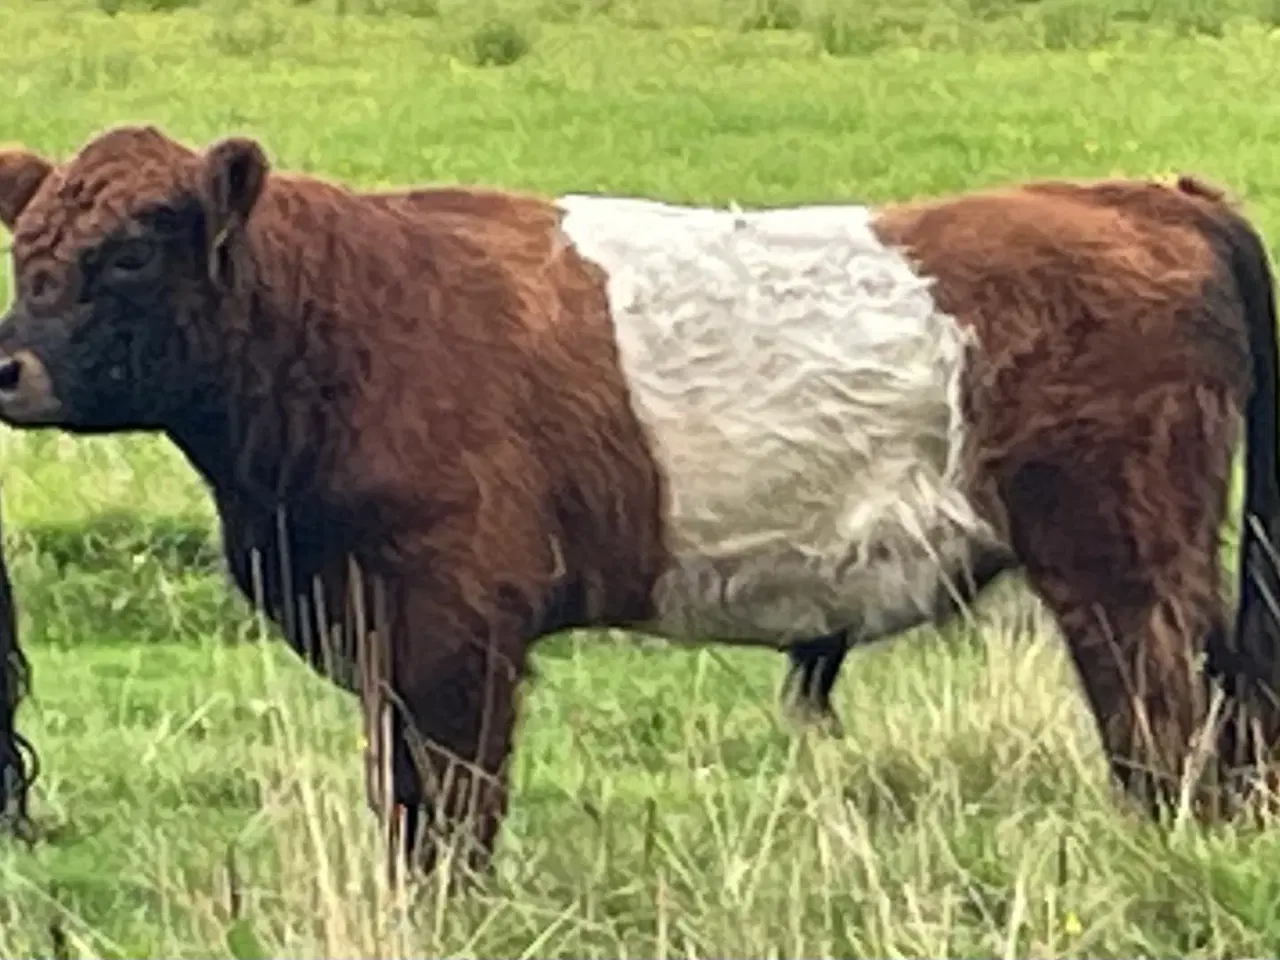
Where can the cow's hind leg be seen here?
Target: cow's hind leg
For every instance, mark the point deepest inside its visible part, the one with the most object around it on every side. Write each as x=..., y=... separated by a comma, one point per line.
x=814, y=664
x=1118, y=535
x=813, y=668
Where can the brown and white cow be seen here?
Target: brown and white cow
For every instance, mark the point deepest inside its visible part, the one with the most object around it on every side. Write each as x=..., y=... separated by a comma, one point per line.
x=764, y=427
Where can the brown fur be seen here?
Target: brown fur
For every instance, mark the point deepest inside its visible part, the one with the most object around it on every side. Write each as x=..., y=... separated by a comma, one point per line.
x=424, y=382
x=1123, y=327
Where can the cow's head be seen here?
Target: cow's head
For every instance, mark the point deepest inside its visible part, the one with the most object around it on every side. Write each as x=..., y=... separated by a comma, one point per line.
x=120, y=259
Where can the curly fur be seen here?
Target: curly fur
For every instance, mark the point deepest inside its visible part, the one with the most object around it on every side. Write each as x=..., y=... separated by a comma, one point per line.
x=801, y=390
x=493, y=417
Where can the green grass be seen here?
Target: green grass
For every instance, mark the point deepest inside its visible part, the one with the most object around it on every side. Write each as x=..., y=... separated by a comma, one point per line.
x=661, y=809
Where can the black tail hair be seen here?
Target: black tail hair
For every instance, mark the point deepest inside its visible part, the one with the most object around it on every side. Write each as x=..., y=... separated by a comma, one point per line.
x=19, y=765
x=1248, y=660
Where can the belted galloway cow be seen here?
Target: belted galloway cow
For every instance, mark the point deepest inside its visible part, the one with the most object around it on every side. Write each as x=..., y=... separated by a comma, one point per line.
x=494, y=416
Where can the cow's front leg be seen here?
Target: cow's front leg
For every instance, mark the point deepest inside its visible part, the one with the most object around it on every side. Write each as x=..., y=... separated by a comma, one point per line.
x=457, y=648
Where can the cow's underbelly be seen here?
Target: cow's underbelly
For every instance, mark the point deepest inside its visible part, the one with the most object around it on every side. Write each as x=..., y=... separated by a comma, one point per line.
x=799, y=389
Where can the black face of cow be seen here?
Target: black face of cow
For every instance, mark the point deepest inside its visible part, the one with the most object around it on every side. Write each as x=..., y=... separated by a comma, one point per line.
x=96, y=344
x=117, y=277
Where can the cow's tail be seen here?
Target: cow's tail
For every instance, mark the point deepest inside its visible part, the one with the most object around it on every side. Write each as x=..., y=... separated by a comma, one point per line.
x=1250, y=664
x=19, y=765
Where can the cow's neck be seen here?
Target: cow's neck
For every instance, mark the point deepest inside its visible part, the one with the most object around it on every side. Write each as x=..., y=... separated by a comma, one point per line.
x=272, y=546
x=274, y=433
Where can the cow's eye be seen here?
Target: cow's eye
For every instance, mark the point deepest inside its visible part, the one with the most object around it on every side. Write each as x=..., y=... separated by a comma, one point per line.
x=42, y=285
x=132, y=257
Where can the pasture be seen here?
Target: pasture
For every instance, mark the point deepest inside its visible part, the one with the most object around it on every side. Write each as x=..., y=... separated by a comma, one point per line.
x=202, y=794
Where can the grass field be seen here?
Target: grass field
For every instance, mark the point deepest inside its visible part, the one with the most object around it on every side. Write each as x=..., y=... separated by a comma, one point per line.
x=202, y=790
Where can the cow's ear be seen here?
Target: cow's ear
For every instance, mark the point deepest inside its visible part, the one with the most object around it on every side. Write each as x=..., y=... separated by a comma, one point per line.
x=234, y=172
x=21, y=173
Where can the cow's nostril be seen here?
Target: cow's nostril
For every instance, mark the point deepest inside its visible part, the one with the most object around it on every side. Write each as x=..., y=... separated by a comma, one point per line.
x=10, y=373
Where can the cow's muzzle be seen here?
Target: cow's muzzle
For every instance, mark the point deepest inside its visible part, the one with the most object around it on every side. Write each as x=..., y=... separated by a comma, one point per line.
x=26, y=392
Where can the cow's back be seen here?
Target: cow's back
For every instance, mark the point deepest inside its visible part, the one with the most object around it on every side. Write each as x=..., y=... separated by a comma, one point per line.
x=1086, y=299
